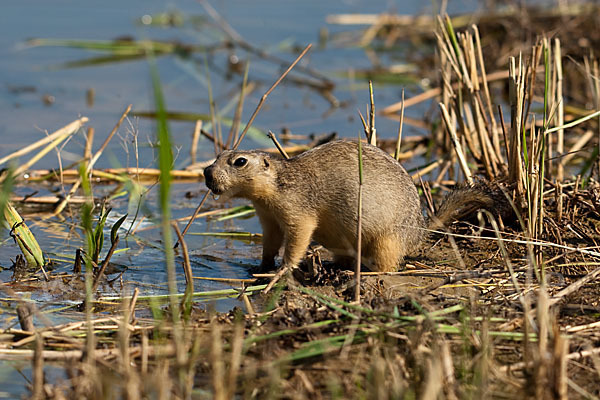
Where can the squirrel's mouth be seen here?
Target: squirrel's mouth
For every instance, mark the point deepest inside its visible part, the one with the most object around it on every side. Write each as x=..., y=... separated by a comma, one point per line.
x=216, y=189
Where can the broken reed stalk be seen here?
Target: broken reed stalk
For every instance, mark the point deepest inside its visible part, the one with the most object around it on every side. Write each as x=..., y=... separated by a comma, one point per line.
x=216, y=360
x=266, y=95
x=236, y=358
x=372, y=131
x=38, y=369
x=64, y=133
x=560, y=110
x=516, y=98
x=243, y=134
x=369, y=127
x=400, y=125
x=187, y=268
x=195, y=139
x=282, y=151
x=89, y=140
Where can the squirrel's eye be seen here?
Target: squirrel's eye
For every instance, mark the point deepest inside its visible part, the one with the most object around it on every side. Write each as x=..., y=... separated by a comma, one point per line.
x=240, y=162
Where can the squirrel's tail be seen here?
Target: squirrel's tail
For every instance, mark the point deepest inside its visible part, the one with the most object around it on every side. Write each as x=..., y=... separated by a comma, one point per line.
x=466, y=199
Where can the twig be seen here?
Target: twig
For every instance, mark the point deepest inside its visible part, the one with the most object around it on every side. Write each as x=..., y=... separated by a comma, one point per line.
x=193, y=217
x=105, y=264
x=264, y=96
x=195, y=138
x=276, y=278
x=271, y=136
x=571, y=356
x=399, y=140
x=187, y=268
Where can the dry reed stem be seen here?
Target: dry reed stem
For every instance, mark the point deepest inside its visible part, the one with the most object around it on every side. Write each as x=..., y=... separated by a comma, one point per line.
x=486, y=90
x=578, y=355
x=89, y=141
x=58, y=137
x=424, y=171
x=114, y=174
x=372, y=136
x=216, y=359
x=516, y=99
x=154, y=351
x=38, y=369
x=559, y=369
x=542, y=367
x=236, y=359
x=282, y=151
x=98, y=153
x=400, y=125
x=276, y=278
x=100, y=274
x=435, y=92
x=193, y=217
x=187, y=268
x=560, y=146
x=195, y=139
x=457, y=146
x=25, y=312
x=134, y=297
x=579, y=328
x=266, y=95
x=71, y=128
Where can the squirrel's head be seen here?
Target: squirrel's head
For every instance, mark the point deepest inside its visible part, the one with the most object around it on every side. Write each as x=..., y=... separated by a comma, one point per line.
x=245, y=174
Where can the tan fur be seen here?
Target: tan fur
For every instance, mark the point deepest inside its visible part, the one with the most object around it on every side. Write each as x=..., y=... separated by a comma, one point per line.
x=315, y=196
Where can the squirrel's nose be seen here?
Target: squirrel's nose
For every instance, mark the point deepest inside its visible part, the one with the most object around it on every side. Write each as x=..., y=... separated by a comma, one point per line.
x=208, y=174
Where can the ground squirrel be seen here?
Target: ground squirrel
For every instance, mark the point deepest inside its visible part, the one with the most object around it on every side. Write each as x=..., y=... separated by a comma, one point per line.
x=315, y=196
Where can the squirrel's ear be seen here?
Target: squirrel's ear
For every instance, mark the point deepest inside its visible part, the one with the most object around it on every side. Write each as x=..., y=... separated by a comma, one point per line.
x=266, y=162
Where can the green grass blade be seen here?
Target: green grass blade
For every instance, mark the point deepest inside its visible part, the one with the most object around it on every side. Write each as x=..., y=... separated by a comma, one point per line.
x=165, y=164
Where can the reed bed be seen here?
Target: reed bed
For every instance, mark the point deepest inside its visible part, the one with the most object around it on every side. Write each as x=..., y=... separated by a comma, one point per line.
x=491, y=309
